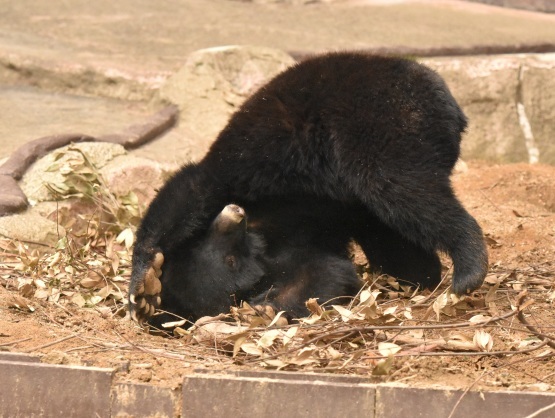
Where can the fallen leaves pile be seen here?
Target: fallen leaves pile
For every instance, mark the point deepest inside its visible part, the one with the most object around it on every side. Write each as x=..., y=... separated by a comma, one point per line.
x=382, y=323
x=90, y=265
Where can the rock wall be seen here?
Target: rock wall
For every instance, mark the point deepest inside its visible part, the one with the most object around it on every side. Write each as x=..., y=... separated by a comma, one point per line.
x=510, y=103
x=509, y=99
x=536, y=5
x=213, y=83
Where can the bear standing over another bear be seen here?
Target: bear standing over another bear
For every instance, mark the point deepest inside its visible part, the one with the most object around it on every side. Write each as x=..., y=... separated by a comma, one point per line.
x=377, y=135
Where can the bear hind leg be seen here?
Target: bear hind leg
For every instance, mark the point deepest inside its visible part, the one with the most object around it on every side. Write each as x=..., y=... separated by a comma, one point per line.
x=391, y=253
x=437, y=221
x=420, y=206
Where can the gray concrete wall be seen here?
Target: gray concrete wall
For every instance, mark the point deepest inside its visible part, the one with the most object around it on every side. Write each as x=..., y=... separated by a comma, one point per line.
x=510, y=103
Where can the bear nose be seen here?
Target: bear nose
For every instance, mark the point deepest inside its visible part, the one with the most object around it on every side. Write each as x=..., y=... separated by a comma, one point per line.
x=236, y=213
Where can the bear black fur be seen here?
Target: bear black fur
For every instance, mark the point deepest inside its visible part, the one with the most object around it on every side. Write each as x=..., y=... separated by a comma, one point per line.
x=381, y=133
x=275, y=254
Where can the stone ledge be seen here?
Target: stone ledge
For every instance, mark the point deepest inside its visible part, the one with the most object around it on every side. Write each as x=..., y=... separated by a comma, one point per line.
x=35, y=389
x=268, y=395
x=140, y=400
x=19, y=357
x=30, y=389
x=392, y=401
x=499, y=94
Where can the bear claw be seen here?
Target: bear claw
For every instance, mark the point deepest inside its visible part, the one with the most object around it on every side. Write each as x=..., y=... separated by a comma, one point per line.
x=144, y=300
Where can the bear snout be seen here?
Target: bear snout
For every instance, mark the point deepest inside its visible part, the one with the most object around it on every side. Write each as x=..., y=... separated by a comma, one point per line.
x=233, y=213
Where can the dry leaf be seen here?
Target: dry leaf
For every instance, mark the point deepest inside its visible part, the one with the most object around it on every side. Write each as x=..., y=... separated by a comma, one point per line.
x=92, y=280
x=26, y=290
x=275, y=363
x=483, y=340
x=528, y=342
x=104, y=292
x=440, y=304
x=174, y=324
x=479, y=319
x=93, y=300
x=388, y=349
x=347, y=315
x=267, y=339
x=368, y=298
x=418, y=298
x=180, y=332
x=78, y=299
x=312, y=319
x=313, y=306
x=40, y=283
x=238, y=343
x=289, y=334
x=390, y=311
x=252, y=349
x=304, y=356
x=217, y=330
x=126, y=236
x=19, y=302
x=42, y=293
x=334, y=354
x=383, y=367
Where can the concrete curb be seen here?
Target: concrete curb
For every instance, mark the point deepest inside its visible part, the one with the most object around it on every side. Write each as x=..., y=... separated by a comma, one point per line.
x=30, y=388
x=34, y=389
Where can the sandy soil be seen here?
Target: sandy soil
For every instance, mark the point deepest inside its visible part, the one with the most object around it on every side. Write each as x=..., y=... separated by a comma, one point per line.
x=515, y=204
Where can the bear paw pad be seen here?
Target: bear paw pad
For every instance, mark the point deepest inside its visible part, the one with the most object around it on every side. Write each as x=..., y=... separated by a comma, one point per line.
x=144, y=300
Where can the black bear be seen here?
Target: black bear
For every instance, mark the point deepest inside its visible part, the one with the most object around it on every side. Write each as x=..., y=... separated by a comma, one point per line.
x=381, y=133
x=276, y=254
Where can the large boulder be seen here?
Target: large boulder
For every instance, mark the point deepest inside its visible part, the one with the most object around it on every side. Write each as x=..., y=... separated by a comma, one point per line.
x=214, y=82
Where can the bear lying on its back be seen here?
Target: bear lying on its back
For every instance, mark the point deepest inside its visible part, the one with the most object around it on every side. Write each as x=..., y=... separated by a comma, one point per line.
x=376, y=133
x=274, y=254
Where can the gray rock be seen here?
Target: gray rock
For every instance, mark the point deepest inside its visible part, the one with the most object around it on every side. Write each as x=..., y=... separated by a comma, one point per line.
x=48, y=170
x=215, y=81
x=538, y=93
x=487, y=89
x=536, y=5
x=142, y=176
x=118, y=172
x=31, y=227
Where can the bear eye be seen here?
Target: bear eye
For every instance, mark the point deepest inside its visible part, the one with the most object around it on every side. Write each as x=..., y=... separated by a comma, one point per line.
x=230, y=261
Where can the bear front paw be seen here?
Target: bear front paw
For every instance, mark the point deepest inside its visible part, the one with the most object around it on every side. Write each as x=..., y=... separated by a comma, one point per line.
x=145, y=297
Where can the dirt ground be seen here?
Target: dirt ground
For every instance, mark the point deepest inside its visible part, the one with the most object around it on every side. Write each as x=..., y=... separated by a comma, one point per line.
x=515, y=204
